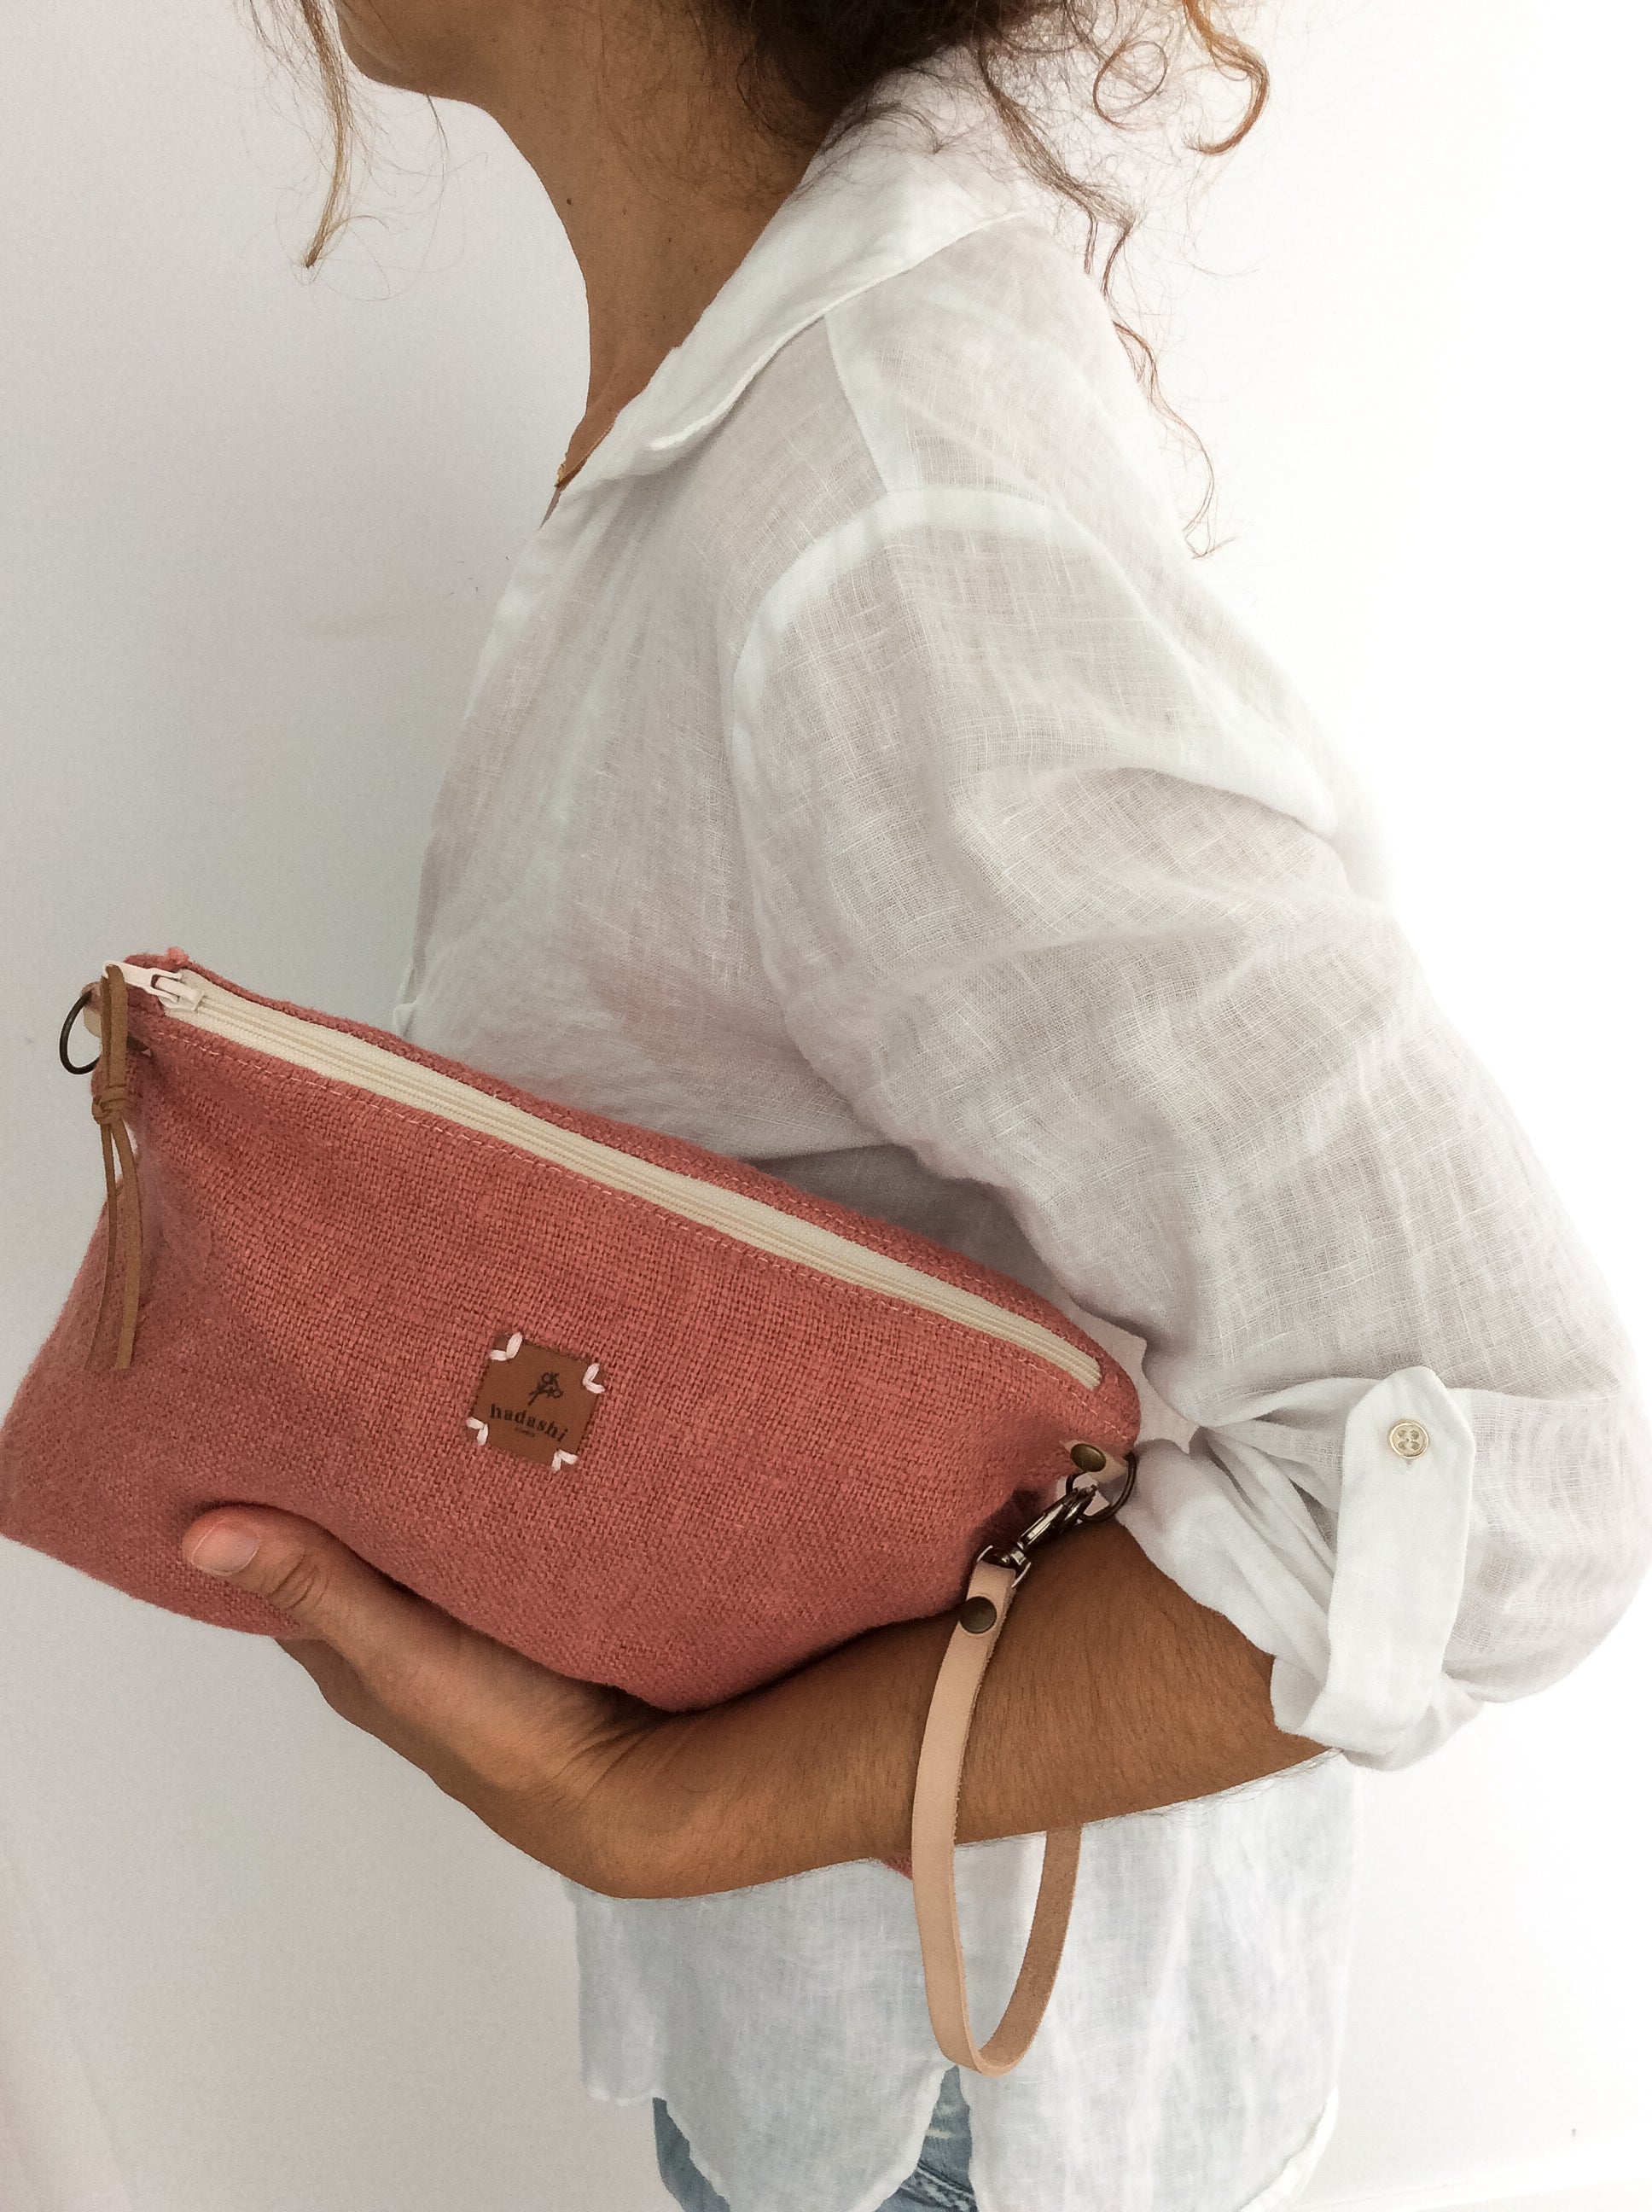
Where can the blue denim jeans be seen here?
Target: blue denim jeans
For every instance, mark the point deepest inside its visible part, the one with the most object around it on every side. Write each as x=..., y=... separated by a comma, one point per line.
x=938, y=2182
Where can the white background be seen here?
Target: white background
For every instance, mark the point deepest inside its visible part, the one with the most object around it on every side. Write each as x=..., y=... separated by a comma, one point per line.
x=253, y=528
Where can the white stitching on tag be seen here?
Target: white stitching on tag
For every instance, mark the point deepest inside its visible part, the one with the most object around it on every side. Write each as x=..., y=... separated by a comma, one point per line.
x=504, y=1412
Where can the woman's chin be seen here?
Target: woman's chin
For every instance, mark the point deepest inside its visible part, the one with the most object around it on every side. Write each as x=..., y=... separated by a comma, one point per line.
x=369, y=66
x=366, y=64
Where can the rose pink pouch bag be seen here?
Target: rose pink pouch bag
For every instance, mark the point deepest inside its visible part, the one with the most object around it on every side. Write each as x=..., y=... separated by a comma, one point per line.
x=645, y=1413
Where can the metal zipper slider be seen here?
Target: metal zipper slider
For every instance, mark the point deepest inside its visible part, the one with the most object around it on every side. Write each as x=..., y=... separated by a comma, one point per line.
x=160, y=983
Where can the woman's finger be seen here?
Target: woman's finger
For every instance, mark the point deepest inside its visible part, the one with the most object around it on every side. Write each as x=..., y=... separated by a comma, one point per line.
x=402, y=1651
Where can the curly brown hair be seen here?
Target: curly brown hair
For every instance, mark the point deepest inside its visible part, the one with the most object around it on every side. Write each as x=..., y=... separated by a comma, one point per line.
x=806, y=67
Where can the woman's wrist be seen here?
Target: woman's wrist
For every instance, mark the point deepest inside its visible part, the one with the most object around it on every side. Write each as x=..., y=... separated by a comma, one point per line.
x=815, y=1769
x=659, y=1821
x=662, y=1818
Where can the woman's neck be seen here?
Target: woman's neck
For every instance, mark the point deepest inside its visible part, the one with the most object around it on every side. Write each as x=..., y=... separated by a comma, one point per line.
x=661, y=178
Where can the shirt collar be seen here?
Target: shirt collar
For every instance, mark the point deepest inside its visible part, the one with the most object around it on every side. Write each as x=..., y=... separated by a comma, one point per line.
x=881, y=200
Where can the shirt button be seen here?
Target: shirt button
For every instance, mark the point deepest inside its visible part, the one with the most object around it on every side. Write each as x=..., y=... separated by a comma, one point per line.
x=1408, y=1438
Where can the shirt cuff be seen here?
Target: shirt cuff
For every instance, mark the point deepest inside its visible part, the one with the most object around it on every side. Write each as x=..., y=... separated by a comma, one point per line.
x=1356, y=1599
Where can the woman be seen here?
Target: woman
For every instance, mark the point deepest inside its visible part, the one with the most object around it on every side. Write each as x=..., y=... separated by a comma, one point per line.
x=860, y=780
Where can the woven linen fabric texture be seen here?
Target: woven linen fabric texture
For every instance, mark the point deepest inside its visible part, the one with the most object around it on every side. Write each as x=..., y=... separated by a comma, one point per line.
x=326, y=1271
x=861, y=778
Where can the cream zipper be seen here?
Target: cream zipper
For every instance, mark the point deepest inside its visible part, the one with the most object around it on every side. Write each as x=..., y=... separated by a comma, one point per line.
x=191, y=999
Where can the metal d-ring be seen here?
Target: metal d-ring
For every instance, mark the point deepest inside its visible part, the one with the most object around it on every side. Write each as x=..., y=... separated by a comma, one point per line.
x=85, y=999
x=88, y=994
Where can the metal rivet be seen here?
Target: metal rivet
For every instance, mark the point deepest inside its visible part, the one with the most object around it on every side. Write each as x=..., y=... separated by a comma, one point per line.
x=1409, y=1438
x=976, y=1615
x=1088, y=1459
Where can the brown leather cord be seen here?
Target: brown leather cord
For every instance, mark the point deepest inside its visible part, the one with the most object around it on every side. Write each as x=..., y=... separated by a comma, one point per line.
x=109, y=1111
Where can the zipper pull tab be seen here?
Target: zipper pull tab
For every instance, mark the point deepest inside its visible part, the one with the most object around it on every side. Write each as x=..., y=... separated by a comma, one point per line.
x=160, y=983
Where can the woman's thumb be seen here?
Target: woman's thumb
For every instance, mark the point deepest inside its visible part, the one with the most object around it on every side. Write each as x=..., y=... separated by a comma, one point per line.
x=298, y=1567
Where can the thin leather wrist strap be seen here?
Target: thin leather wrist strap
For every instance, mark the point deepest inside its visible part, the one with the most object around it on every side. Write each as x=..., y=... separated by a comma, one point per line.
x=980, y=1620
x=934, y=1836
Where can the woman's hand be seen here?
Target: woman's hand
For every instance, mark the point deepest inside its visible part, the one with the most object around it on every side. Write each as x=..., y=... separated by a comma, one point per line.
x=557, y=1767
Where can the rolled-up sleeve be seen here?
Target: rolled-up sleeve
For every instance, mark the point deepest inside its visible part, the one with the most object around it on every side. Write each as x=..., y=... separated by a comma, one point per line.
x=1062, y=887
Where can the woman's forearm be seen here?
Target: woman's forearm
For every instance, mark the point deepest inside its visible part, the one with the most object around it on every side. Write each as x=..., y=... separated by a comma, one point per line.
x=1110, y=1691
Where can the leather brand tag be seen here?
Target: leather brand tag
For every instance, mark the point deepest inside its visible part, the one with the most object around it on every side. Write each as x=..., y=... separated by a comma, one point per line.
x=535, y=1400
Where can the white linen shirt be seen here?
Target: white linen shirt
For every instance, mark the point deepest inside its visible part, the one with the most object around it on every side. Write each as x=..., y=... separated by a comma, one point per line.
x=860, y=779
